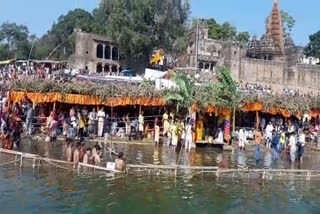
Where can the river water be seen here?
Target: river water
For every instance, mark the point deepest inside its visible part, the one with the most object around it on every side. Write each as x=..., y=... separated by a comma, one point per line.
x=50, y=190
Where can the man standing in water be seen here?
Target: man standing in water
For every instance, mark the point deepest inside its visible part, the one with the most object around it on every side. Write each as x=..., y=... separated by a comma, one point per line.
x=120, y=163
x=188, y=136
x=96, y=155
x=141, y=125
x=301, y=144
x=69, y=152
x=174, y=135
x=156, y=134
x=76, y=155
x=87, y=156
x=275, y=144
x=293, y=147
x=269, y=131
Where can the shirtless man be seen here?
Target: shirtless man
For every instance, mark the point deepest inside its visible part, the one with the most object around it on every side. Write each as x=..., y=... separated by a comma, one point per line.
x=120, y=163
x=82, y=152
x=69, y=152
x=87, y=156
x=96, y=156
x=76, y=155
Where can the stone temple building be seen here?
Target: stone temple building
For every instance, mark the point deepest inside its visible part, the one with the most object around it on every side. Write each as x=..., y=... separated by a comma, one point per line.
x=271, y=60
x=95, y=53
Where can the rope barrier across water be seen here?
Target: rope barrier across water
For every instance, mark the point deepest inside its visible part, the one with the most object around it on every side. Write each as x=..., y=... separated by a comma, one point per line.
x=3, y=164
x=188, y=171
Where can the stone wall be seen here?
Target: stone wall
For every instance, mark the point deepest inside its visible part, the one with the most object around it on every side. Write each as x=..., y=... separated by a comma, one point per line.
x=253, y=70
x=279, y=74
x=308, y=76
x=283, y=72
x=85, y=54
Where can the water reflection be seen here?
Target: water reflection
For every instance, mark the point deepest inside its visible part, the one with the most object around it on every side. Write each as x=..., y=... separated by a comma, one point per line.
x=241, y=159
x=156, y=156
x=52, y=190
x=163, y=155
x=267, y=159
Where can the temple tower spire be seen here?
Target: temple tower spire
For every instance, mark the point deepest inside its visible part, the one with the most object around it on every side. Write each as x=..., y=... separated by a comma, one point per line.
x=275, y=28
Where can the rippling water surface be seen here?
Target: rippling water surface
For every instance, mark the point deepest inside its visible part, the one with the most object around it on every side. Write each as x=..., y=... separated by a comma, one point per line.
x=163, y=155
x=49, y=190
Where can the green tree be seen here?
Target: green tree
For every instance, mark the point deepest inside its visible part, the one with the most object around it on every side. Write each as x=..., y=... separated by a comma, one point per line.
x=225, y=31
x=243, y=37
x=288, y=23
x=102, y=14
x=220, y=32
x=183, y=95
x=313, y=47
x=15, y=40
x=138, y=27
x=226, y=93
x=60, y=34
x=4, y=51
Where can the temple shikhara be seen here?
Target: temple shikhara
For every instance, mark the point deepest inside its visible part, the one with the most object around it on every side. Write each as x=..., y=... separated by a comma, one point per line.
x=271, y=46
x=273, y=59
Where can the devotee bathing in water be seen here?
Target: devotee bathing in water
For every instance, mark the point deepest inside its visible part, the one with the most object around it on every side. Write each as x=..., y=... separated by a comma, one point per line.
x=87, y=156
x=120, y=163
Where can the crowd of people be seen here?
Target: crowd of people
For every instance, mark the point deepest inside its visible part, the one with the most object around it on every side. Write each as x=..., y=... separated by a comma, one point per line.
x=78, y=123
x=11, y=122
x=280, y=137
x=175, y=131
x=256, y=88
x=268, y=90
x=20, y=117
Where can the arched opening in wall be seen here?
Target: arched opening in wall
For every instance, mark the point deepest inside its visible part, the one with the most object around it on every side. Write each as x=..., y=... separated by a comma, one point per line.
x=107, y=52
x=106, y=68
x=212, y=67
x=207, y=66
x=270, y=57
x=115, y=54
x=200, y=65
x=114, y=69
x=99, y=68
x=99, y=51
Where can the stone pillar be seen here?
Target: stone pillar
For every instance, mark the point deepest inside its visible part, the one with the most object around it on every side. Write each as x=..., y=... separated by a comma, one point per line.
x=118, y=69
x=111, y=48
x=103, y=52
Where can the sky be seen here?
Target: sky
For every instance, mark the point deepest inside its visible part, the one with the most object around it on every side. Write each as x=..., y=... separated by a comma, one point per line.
x=246, y=15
